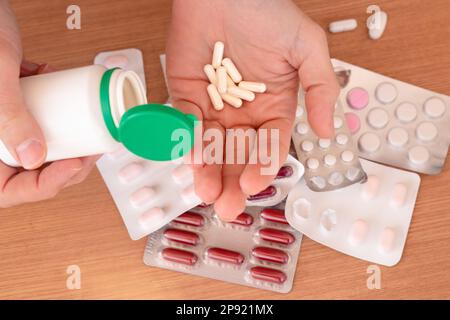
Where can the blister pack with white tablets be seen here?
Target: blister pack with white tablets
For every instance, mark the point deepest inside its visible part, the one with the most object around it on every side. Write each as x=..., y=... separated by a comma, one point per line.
x=148, y=194
x=127, y=59
x=329, y=163
x=394, y=122
x=287, y=177
x=258, y=249
x=369, y=221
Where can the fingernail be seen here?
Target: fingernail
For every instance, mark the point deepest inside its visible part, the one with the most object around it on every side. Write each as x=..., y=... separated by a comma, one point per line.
x=30, y=153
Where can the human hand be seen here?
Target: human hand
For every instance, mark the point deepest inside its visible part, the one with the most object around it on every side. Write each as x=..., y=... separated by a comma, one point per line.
x=269, y=41
x=21, y=134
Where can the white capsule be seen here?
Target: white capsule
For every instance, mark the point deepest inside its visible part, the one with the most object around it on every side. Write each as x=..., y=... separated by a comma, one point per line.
x=376, y=24
x=210, y=73
x=241, y=93
x=218, y=54
x=231, y=100
x=214, y=95
x=232, y=70
x=258, y=87
x=343, y=25
x=221, y=79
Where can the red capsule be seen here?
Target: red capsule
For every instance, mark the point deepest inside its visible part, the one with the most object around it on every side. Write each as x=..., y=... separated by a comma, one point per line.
x=244, y=219
x=190, y=218
x=225, y=255
x=179, y=256
x=270, y=254
x=274, y=215
x=182, y=236
x=270, y=191
x=284, y=172
x=275, y=235
x=268, y=274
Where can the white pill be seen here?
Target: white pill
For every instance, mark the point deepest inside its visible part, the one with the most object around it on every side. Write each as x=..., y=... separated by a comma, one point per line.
x=329, y=160
x=241, y=93
x=358, y=232
x=343, y=25
x=218, y=54
x=318, y=181
x=335, y=178
x=399, y=194
x=341, y=139
x=338, y=122
x=426, y=131
x=130, y=172
x=302, y=128
x=376, y=24
x=418, y=155
x=142, y=196
x=435, y=107
x=214, y=95
x=210, y=73
x=328, y=219
x=386, y=92
x=369, y=142
x=302, y=208
x=221, y=79
x=232, y=70
x=378, y=118
x=347, y=156
x=398, y=137
x=324, y=143
x=312, y=163
x=307, y=146
x=231, y=100
x=370, y=188
x=151, y=216
x=387, y=240
x=299, y=112
x=181, y=172
x=353, y=173
x=258, y=87
x=406, y=112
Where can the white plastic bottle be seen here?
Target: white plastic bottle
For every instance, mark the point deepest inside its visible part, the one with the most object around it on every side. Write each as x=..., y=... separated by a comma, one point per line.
x=66, y=105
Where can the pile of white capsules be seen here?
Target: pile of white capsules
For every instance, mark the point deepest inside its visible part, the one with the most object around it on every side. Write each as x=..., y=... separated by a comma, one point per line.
x=226, y=81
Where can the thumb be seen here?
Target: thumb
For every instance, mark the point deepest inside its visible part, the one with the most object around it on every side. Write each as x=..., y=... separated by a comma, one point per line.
x=19, y=132
x=319, y=82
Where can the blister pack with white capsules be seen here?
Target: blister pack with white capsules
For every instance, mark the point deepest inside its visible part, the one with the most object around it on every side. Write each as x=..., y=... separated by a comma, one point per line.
x=148, y=194
x=329, y=163
x=127, y=59
x=394, y=122
x=258, y=249
x=369, y=221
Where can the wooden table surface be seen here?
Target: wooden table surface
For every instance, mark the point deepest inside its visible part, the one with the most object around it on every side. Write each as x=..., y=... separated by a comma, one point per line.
x=81, y=226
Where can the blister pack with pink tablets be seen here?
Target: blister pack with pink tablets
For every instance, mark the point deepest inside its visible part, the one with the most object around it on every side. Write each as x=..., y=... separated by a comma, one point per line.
x=369, y=221
x=258, y=249
x=127, y=59
x=148, y=194
x=394, y=122
x=329, y=163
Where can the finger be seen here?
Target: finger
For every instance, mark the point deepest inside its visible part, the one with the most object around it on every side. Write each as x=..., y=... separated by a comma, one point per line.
x=318, y=80
x=36, y=185
x=88, y=163
x=268, y=154
x=19, y=131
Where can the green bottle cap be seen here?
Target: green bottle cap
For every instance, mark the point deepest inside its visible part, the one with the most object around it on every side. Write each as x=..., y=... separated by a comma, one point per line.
x=151, y=131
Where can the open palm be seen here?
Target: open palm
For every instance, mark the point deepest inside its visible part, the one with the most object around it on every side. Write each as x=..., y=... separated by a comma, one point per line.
x=269, y=41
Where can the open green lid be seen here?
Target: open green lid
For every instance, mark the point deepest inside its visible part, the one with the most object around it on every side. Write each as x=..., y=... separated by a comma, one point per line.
x=152, y=131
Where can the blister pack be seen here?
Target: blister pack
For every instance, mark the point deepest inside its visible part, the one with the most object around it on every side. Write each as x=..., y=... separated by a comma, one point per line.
x=394, y=122
x=127, y=59
x=369, y=221
x=258, y=249
x=148, y=194
x=329, y=163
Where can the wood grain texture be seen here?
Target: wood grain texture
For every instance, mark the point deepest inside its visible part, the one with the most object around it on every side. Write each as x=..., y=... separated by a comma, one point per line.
x=82, y=226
